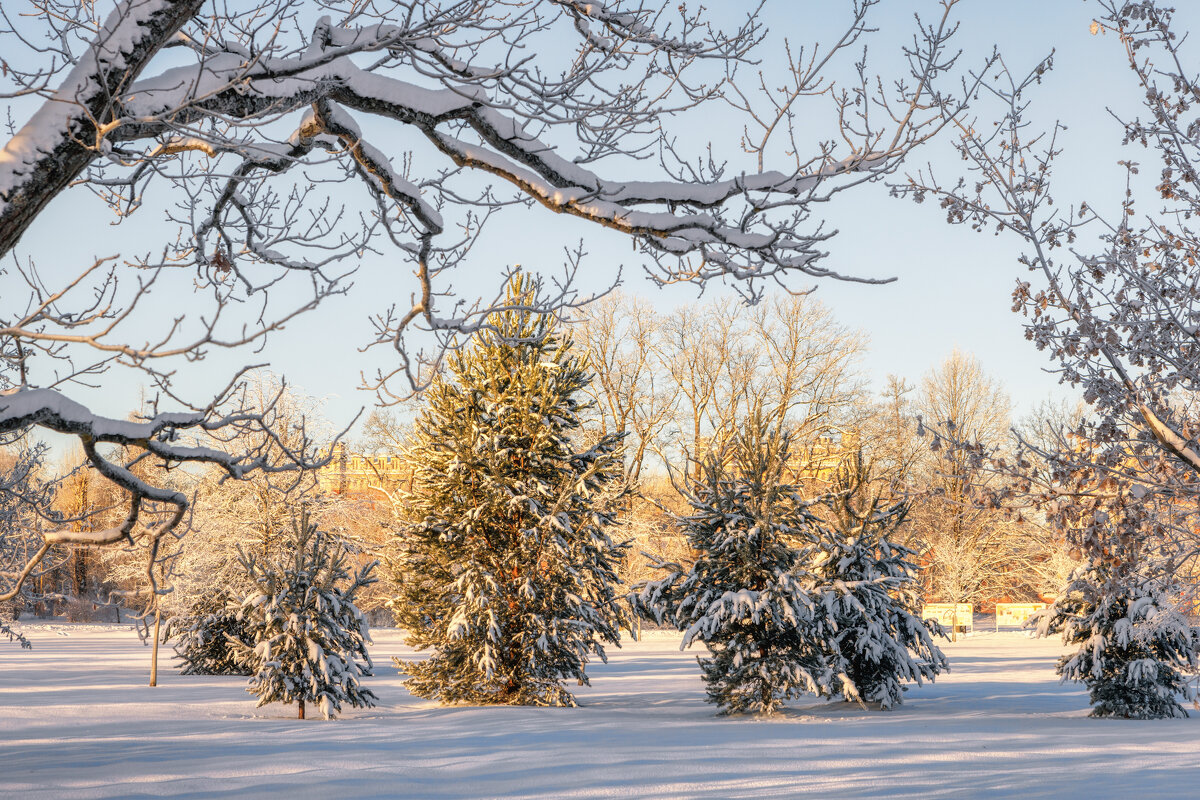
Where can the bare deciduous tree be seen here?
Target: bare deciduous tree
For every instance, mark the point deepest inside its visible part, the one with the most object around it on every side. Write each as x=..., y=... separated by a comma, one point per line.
x=807, y=364
x=1113, y=297
x=235, y=118
x=787, y=354
x=970, y=550
x=888, y=432
x=26, y=506
x=678, y=383
x=621, y=336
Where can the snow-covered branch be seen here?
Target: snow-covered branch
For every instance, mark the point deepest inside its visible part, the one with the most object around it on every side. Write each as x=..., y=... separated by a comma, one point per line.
x=68, y=132
x=234, y=118
x=156, y=437
x=474, y=81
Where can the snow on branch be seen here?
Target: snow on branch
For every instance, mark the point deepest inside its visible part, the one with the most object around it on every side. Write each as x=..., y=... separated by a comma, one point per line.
x=235, y=118
x=593, y=20
x=157, y=436
x=486, y=85
x=67, y=133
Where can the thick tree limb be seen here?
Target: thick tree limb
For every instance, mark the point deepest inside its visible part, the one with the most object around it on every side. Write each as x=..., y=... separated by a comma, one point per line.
x=67, y=132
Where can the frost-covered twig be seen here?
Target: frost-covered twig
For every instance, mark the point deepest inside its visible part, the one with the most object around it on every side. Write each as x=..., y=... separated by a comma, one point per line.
x=1117, y=314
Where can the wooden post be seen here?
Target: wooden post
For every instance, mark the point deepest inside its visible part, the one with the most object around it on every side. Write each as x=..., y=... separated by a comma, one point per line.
x=154, y=652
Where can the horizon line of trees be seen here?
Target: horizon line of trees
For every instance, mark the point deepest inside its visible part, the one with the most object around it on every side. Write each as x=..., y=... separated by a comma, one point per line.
x=674, y=385
x=940, y=505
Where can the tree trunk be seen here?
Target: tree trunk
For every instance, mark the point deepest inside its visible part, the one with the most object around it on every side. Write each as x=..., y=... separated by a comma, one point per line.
x=765, y=689
x=154, y=651
x=301, y=702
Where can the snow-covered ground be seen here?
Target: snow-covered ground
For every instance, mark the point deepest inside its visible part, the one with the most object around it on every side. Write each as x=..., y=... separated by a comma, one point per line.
x=77, y=720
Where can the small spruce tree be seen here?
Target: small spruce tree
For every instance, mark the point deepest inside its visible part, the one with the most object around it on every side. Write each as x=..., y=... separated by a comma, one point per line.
x=204, y=636
x=505, y=566
x=1133, y=645
x=305, y=640
x=748, y=597
x=868, y=585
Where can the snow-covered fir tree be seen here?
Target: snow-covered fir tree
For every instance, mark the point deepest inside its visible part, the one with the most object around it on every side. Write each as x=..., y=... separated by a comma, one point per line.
x=869, y=586
x=205, y=637
x=505, y=567
x=1133, y=644
x=306, y=641
x=748, y=597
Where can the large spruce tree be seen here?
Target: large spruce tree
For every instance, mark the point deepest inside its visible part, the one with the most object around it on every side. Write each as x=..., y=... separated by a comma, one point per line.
x=505, y=567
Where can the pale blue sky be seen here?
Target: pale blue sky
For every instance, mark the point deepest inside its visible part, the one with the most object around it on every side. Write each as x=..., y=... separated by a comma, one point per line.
x=954, y=285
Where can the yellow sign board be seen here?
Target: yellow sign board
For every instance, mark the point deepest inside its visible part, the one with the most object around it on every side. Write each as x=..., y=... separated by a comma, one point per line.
x=950, y=615
x=1016, y=613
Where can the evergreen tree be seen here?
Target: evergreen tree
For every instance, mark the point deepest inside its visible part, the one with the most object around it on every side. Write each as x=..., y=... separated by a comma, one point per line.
x=505, y=567
x=306, y=641
x=205, y=637
x=868, y=585
x=748, y=597
x=1132, y=643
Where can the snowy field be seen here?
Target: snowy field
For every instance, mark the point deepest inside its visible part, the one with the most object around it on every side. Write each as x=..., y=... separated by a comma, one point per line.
x=76, y=720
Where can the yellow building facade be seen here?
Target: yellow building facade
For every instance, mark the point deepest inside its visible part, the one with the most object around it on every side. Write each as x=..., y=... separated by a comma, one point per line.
x=354, y=473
